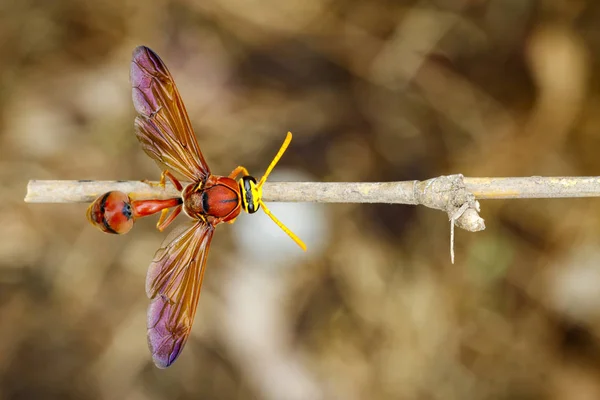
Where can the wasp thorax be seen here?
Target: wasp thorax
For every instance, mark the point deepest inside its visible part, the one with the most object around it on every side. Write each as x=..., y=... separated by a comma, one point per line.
x=111, y=213
x=192, y=201
x=218, y=200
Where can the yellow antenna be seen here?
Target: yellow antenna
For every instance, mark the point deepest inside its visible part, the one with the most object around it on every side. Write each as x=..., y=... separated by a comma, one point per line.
x=282, y=150
x=284, y=228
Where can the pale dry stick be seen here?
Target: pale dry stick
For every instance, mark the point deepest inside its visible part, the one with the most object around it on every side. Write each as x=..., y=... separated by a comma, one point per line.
x=454, y=194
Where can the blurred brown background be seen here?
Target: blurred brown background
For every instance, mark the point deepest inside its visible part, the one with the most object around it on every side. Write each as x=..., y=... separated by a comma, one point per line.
x=373, y=90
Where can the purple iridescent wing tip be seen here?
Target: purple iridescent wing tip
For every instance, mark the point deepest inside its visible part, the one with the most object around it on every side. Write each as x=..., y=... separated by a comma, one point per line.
x=145, y=68
x=165, y=346
x=163, y=126
x=173, y=284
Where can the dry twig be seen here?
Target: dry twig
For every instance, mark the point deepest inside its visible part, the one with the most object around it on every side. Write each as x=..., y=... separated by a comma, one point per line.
x=454, y=194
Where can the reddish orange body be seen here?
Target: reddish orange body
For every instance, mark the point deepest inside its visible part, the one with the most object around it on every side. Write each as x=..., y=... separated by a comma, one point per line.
x=111, y=213
x=175, y=275
x=115, y=212
x=218, y=199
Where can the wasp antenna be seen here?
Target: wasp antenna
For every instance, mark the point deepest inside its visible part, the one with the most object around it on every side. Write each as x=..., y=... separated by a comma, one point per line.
x=283, y=227
x=284, y=146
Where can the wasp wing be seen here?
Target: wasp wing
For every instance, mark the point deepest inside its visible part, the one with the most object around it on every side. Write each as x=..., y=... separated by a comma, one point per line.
x=163, y=126
x=173, y=283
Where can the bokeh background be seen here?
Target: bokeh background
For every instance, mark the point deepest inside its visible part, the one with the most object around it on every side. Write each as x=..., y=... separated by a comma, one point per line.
x=375, y=90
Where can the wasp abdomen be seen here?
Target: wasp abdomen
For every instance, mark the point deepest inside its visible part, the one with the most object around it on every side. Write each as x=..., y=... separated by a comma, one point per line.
x=111, y=213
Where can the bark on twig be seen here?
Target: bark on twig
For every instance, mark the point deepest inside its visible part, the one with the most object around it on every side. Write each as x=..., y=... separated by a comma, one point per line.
x=85, y=191
x=454, y=194
x=447, y=193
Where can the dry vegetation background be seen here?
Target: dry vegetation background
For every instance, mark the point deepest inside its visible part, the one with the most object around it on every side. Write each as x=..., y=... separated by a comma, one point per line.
x=373, y=90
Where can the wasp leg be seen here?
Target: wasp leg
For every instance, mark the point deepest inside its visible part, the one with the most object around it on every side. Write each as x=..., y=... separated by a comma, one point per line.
x=162, y=223
x=165, y=174
x=172, y=178
x=237, y=171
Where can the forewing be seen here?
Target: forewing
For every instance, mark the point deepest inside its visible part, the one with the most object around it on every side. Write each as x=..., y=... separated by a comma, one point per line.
x=163, y=126
x=173, y=283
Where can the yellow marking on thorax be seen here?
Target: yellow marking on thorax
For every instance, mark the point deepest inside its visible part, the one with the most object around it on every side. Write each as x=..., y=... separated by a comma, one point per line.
x=243, y=195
